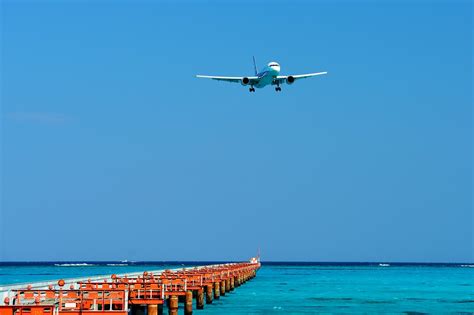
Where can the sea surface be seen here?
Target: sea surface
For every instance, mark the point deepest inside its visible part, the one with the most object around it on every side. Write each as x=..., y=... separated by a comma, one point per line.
x=303, y=288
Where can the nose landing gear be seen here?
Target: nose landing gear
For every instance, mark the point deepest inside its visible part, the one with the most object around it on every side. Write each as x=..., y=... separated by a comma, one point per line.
x=252, y=89
x=278, y=89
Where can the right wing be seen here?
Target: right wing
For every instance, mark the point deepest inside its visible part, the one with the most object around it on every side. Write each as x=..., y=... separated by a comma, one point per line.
x=252, y=80
x=282, y=78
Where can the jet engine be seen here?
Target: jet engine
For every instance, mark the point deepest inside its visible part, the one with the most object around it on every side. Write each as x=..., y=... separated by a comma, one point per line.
x=290, y=79
x=245, y=81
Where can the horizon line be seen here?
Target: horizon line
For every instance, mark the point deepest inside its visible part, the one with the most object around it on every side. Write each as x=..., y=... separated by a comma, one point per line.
x=231, y=261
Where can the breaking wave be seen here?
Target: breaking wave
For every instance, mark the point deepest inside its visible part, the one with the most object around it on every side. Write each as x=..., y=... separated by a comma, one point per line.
x=74, y=265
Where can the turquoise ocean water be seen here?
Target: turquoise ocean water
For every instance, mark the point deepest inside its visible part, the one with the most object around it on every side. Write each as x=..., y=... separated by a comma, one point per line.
x=305, y=288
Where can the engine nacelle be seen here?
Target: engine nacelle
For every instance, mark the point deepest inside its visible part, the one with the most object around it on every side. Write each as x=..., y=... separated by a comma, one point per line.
x=290, y=80
x=245, y=81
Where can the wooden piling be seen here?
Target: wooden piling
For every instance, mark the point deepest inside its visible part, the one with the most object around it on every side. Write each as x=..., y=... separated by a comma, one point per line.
x=188, y=306
x=173, y=305
x=227, y=285
x=232, y=284
x=200, y=299
x=217, y=290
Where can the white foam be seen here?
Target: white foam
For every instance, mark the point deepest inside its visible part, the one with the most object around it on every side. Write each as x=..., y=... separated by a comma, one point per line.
x=74, y=265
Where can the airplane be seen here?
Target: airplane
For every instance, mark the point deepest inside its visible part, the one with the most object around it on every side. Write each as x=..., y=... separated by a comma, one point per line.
x=268, y=75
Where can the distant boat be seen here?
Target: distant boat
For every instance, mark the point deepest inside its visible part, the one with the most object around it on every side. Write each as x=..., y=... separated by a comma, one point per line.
x=384, y=265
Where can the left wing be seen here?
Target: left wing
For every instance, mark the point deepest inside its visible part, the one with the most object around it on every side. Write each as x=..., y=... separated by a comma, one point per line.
x=292, y=78
x=251, y=80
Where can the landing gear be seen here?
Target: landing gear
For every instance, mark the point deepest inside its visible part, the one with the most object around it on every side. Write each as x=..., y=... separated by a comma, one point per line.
x=252, y=89
x=277, y=83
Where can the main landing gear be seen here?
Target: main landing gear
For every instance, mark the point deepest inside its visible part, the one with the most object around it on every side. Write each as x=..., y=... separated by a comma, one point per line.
x=252, y=89
x=278, y=88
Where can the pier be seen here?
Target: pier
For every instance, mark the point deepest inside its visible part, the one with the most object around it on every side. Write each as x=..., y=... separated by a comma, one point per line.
x=147, y=293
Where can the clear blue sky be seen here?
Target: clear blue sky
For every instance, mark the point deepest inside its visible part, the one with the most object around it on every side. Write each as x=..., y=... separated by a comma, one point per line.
x=111, y=149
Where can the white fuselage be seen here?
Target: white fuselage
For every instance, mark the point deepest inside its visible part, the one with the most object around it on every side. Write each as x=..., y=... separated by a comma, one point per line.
x=268, y=74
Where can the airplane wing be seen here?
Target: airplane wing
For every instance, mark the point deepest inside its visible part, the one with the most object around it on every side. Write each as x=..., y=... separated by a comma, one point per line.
x=252, y=80
x=291, y=78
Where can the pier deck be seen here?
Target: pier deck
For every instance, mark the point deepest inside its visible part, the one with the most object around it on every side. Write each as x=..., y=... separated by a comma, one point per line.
x=135, y=293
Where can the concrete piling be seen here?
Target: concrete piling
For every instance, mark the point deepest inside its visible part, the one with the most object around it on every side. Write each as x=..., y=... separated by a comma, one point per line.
x=173, y=305
x=223, y=287
x=217, y=290
x=209, y=294
x=138, y=309
x=152, y=309
x=200, y=299
x=188, y=306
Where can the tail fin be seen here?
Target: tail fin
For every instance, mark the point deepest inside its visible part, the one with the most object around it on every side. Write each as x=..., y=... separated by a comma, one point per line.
x=255, y=65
